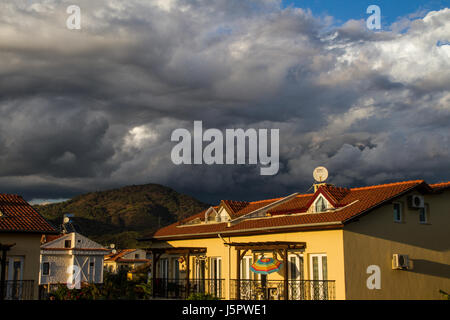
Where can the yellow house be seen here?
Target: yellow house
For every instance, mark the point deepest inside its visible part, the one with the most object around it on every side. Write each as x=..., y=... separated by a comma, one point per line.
x=386, y=241
x=21, y=228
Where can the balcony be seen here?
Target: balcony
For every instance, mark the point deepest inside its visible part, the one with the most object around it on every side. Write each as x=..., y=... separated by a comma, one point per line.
x=274, y=289
x=18, y=290
x=182, y=289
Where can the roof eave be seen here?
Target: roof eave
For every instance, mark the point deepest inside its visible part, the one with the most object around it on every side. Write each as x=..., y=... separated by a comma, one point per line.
x=378, y=205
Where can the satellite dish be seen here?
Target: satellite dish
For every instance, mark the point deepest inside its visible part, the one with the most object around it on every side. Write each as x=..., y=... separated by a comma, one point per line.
x=320, y=174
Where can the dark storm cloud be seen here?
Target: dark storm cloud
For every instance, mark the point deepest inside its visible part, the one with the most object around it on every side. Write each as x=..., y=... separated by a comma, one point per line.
x=93, y=109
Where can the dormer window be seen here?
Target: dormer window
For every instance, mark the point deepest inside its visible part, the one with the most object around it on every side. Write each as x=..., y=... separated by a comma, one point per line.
x=321, y=204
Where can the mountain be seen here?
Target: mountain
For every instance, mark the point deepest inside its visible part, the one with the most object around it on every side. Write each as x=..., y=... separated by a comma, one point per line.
x=121, y=215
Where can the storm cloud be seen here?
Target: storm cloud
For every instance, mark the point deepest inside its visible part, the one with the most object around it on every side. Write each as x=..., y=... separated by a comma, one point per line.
x=90, y=109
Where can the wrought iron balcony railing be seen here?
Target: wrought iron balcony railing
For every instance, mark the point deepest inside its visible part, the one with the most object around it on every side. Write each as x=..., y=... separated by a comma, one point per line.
x=17, y=290
x=182, y=289
x=274, y=289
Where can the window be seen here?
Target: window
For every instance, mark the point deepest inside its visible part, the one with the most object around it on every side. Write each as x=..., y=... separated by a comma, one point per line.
x=319, y=273
x=46, y=268
x=246, y=263
x=92, y=270
x=164, y=268
x=67, y=244
x=14, y=268
x=176, y=269
x=423, y=214
x=397, y=212
x=136, y=256
x=320, y=204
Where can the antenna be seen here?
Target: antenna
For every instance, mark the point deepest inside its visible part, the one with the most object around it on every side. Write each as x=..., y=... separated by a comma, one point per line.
x=320, y=174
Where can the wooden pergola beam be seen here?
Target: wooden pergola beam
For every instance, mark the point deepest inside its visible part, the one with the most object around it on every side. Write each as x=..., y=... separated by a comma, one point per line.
x=181, y=251
x=269, y=246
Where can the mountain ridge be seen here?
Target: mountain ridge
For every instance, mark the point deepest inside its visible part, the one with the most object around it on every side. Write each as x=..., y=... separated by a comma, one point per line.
x=122, y=215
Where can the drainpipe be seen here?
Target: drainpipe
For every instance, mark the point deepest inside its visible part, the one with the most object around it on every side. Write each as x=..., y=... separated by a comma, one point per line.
x=229, y=263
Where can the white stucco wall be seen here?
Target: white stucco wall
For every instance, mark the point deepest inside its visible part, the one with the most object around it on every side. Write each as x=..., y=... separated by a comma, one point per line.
x=77, y=255
x=58, y=268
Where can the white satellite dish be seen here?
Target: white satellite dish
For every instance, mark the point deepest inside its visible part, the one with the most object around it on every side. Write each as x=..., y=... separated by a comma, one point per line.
x=320, y=174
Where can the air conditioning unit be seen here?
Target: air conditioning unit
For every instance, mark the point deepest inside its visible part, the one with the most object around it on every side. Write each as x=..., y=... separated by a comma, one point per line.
x=416, y=202
x=400, y=261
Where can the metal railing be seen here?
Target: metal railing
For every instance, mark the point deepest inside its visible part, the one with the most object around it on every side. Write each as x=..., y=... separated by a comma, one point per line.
x=181, y=289
x=18, y=290
x=274, y=289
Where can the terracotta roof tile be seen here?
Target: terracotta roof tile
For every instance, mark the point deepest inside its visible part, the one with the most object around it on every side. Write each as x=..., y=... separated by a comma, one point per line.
x=118, y=256
x=353, y=202
x=440, y=186
x=17, y=215
x=234, y=207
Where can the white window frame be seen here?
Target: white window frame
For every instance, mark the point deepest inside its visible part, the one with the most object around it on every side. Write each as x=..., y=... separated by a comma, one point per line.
x=44, y=263
x=212, y=272
x=401, y=211
x=175, y=268
x=426, y=210
x=295, y=289
x=321, y=292
x=326, y=202
x=298, y=258
x=320, y=266
x=164, y=268
x=10, y=262
x=91, y=269
x=246, y=274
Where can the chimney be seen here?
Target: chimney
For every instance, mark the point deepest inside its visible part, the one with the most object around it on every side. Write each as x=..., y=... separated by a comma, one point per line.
x=318, y=185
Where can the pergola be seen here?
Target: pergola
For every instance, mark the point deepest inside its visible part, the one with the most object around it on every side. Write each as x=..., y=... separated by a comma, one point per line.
x=280, y=247
x=4, y=248
x=185, y=252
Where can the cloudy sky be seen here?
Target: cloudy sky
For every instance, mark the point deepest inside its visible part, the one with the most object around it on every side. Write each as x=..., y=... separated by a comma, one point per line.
x=91, y=109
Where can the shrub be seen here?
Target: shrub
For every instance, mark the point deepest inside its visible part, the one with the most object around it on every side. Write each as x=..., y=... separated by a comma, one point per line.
x=202, y=296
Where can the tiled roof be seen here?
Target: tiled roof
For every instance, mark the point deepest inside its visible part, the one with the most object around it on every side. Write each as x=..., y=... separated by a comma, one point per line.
x=50, y=237
x=73, y=249
x=118, y=254
x=117, y=257
x=293, y=213
x=17, y=215
x=234, y=207
x=440, y=186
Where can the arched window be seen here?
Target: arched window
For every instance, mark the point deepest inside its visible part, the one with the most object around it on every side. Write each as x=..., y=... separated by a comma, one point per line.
x=321, y=205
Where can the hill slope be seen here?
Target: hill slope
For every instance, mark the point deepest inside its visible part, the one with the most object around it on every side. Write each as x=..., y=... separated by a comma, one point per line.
x=121, y=215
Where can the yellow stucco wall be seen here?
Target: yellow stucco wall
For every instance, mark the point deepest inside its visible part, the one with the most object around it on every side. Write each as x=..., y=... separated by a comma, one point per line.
x=27, y=246
x=329, y=242
x=376, y=237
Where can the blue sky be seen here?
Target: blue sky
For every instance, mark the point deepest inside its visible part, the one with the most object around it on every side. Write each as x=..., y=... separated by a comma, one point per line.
x=391, y=10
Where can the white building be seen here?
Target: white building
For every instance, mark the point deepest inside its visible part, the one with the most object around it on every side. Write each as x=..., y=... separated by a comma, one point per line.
x=70, y=257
